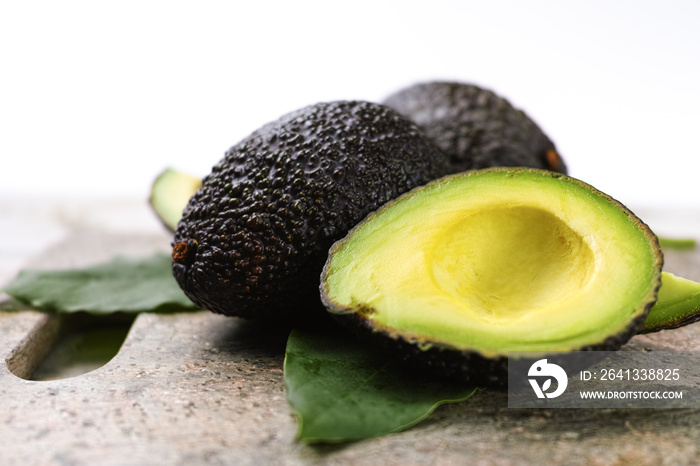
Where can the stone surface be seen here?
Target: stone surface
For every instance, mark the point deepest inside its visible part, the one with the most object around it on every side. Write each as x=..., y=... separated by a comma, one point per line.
x=198, y=388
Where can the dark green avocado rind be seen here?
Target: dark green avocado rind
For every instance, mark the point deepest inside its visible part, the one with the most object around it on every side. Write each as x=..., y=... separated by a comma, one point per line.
x=471, y=366
x=253, y=240
x=476, y=127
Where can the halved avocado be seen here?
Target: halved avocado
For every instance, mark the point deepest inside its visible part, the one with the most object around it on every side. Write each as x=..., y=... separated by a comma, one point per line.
x=170, y=192
x=455, y=274
x=678, y=304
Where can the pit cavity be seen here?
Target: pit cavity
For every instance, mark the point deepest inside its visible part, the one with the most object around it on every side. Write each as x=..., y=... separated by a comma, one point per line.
x=504, y=262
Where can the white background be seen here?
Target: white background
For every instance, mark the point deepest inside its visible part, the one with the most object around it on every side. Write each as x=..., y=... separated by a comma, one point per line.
x=96, y=98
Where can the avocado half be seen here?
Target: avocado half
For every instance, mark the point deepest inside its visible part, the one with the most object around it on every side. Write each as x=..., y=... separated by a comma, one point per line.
x=169, y=194
x=455, y=274
x=677, y=305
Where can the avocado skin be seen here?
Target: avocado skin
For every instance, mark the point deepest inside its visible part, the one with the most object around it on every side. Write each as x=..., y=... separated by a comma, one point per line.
x=253, y=240
x=475, y=127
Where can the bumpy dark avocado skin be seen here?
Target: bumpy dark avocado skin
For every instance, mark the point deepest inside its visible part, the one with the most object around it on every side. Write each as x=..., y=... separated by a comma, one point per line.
x=476, y=127
x=253, y=240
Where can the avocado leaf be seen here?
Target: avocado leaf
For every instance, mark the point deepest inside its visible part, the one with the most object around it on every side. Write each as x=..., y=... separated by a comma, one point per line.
x=343, y=391
x=122, y=284
x=677, y=243
x=677, y=305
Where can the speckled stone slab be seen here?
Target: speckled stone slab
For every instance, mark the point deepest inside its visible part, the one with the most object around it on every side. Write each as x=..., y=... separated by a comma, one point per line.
x=198, y=388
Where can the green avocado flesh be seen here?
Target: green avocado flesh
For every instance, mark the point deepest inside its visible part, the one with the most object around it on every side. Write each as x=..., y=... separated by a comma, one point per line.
x=678, y=304
x=497, y=260
x=170, y=192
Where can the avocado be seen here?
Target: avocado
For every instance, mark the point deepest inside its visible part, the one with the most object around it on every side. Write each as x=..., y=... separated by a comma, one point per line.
x=170, y=192
x=253, y=239
x=677, y=305
x=453, y=275
x=476, y=127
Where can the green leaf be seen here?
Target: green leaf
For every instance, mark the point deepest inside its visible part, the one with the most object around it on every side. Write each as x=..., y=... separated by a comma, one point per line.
x=343, y=391
x=677, y=243
x=123, y=284
x=677, y=305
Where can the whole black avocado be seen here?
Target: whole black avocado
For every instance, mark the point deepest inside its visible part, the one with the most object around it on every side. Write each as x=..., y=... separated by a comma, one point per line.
x=253, y=239
x=476, y=127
